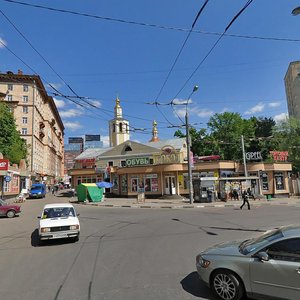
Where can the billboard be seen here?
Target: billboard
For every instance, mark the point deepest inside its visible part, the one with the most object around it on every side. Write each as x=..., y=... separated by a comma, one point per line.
x=76, y=140
x=4, y=164
x=92, y=137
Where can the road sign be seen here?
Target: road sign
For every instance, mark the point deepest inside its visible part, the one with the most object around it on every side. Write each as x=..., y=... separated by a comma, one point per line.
x=7, y=178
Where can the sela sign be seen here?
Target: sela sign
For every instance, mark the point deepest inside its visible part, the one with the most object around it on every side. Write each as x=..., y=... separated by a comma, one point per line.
x=253, y=156
x=140, y=161
x=4, y=163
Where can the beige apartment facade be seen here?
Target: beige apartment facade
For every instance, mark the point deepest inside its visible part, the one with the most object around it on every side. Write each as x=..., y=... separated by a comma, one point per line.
x=292, y=89
x=38, y=122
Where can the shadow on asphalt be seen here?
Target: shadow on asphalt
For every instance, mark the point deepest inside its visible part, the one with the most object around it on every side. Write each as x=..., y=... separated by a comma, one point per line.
x=194, y=286
x=35, y=242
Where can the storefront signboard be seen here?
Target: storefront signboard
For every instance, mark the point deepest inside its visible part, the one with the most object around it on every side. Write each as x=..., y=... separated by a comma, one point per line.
x=253, y=156
x=4, y=163
x=166, y=158
x=280, y=155
x=138, y=161
x=7, y=178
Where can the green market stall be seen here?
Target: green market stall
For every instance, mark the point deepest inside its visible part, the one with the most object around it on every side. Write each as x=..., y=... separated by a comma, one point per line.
x=90, y=192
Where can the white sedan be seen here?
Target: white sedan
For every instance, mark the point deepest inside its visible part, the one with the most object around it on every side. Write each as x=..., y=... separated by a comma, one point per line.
x=59, y=221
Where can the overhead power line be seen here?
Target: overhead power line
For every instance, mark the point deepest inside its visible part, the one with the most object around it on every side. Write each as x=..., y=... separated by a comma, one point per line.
x=176, y=59
x=213, y=47
x=157, y=26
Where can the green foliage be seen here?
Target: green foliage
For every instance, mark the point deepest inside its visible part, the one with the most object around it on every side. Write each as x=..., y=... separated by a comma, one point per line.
x=286, y=137
x=12, y=146
x=226, y=130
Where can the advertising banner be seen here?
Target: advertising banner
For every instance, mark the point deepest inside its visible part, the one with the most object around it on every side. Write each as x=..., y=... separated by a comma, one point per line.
x=4, y=164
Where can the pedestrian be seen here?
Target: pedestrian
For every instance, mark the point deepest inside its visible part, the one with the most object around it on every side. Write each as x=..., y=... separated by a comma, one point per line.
x=56, y=189
x=235, y=195
x=245, y=197
x=52, y=190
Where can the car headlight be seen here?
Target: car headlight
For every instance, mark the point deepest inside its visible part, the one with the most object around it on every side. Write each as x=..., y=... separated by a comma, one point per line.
x=74, y=227
x=45, y=229
x=204, y=263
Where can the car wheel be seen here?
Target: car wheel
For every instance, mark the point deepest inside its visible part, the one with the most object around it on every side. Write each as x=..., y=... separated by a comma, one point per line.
x=10, y=213
x=226, y=286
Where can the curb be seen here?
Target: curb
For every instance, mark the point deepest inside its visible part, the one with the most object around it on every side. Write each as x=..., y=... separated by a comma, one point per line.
x=176, y=206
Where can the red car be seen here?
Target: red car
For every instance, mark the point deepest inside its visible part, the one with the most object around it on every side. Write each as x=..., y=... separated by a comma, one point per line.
x=9, y=210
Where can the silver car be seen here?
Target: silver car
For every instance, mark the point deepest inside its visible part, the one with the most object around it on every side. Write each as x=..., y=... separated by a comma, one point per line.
x=266, y=267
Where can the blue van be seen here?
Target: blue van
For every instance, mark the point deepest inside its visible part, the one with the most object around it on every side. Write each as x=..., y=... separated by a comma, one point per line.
x=37, y=190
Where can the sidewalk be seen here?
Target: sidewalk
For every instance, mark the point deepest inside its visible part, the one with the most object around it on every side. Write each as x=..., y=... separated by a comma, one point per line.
x=183, y=203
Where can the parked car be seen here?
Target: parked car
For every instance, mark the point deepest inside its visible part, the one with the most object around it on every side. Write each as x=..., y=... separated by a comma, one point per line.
x=59, y=221
x=37, y=190
x=9, y=210
x=265, y=267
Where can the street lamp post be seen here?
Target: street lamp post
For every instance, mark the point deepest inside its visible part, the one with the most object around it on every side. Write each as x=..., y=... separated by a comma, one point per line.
x=188, y=144
x=296, y=11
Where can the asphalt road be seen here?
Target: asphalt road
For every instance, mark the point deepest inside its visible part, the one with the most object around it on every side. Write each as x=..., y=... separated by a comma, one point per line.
x=123, y=253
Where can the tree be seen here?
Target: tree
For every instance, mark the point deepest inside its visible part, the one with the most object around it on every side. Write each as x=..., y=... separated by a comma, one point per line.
x=226, y=130
x=12, y=146
x=198, y=140
x=263, y=141
x=286, y=137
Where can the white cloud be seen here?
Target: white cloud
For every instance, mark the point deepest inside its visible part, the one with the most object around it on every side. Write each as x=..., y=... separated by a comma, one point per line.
x=182, y=101
x=59, y=103
x=72, y=125
x=55, y=85
x=70, y=113
x=274, y=104
x=255, y=109
x=105, y=140
x=3, y=43
x=196, y=111
x=280, y=117
x=96, y=103
x=225, y=109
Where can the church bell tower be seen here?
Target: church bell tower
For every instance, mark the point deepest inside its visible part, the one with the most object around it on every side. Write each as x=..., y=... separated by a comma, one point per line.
x=118, y=127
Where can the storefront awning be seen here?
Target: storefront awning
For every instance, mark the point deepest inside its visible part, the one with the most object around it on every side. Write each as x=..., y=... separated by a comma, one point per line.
x=239, y=178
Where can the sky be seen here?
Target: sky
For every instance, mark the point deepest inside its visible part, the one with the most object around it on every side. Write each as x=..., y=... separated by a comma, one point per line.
x=144, y=52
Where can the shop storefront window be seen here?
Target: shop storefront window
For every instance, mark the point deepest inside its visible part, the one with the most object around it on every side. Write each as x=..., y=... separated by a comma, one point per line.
x=134, y=184
x=124, y=187
x=265, y=181
x=279, y=181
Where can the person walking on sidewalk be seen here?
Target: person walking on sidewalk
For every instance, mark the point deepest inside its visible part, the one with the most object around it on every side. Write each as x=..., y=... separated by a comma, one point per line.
x=245, y=197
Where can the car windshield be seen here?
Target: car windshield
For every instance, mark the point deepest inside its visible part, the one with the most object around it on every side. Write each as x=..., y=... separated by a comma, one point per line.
x=2, y=202
x=36, y=188
x=251, y=245
x=58, y=212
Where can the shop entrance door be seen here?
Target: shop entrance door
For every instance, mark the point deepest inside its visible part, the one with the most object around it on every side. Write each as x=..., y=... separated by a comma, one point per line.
x=170, y=187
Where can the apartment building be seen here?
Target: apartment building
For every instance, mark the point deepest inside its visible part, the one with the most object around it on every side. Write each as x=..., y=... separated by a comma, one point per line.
x=292, y=89
x=38, y=122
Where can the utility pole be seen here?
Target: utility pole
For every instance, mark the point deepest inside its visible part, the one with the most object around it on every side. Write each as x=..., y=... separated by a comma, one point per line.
x=190, y=175
x=244, y=157
x=188, y=144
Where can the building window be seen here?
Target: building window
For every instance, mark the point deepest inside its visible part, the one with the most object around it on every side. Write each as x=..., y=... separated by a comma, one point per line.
x=114, y=127
x=24, y=130
x=24, y=120
x=279, y=181
x=123, y=163
x=9, y=98
x=110, y=163
x=10, y=87
x=25, y=98
x=265, y=181
x=25, y=88
x=25, y=109
x=120, y=127
x=134, y=184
